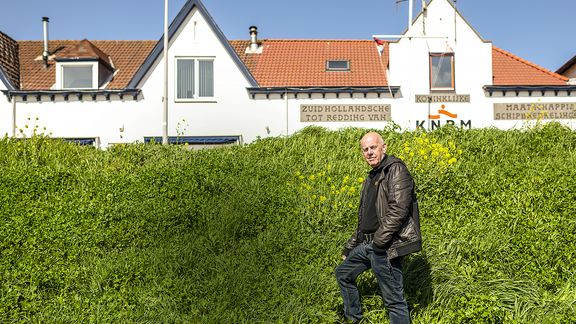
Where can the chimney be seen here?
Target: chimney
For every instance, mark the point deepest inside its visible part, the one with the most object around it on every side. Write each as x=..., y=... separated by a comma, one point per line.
x=45, y=52
x=253, y=38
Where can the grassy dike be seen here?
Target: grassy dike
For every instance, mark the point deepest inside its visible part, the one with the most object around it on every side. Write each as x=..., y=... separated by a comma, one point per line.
x=251, y=234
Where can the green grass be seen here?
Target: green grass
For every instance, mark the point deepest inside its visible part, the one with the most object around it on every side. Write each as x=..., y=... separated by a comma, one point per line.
x=251, y=234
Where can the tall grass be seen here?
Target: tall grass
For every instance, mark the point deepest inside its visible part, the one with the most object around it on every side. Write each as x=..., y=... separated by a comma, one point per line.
x=251, y=234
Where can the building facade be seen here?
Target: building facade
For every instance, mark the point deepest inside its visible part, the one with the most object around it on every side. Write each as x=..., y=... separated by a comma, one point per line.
x=440, y=71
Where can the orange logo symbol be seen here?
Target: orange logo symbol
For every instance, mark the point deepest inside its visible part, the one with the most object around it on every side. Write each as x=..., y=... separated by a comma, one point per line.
x=442, y=111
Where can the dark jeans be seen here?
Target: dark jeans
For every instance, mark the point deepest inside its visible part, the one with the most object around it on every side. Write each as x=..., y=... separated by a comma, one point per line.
x=389, y=275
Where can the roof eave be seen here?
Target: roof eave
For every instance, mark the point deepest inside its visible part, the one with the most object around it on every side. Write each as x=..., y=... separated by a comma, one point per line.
x=566, y=65
x=80, y=93
x=392, y=90
x=490, y=89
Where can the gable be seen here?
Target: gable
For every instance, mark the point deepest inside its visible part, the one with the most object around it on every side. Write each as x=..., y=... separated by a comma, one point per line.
x=175, y=25
x=440, y=8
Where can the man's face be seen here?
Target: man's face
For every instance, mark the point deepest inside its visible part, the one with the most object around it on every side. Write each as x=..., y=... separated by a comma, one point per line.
x=373, y=149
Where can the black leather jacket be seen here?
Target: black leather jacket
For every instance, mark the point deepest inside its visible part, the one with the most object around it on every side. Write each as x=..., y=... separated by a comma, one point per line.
x=398, y=233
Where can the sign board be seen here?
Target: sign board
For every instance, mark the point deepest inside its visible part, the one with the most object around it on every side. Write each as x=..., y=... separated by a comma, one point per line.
x=345, y=113
x=445, y=97
x=535, y=110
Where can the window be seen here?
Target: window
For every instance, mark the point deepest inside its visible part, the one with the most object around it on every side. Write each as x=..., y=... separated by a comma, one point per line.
x=197, y=142
x=442, y=71
x=194, y=78
x=341, y=65
x=77, y=77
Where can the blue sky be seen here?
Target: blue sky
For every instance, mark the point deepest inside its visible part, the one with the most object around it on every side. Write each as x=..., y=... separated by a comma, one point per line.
x=541, y=31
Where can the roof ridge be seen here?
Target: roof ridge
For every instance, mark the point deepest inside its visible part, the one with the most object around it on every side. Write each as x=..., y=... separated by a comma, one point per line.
x=534, y=65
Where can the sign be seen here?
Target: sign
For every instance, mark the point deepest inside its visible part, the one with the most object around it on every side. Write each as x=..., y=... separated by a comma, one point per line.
x=539, y=110
x=447, y=97
x=345, y=113
x=437, y=120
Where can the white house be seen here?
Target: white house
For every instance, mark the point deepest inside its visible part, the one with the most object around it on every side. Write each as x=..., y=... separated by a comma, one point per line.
x=568, y=70
x=440, y=71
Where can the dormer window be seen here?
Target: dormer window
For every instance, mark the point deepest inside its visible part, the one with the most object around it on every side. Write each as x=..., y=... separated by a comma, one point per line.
x=338, y=65
x=83, y=66
x=77, y=76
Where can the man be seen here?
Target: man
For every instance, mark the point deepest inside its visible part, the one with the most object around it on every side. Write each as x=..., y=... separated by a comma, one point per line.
x=388, y=229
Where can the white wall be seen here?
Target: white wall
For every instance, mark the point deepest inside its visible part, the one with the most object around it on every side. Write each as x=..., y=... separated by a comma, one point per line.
x=124, y=121
x=5, y=113
x=234, y=112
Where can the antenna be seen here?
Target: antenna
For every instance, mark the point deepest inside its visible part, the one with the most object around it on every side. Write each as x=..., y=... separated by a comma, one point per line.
x=410, y=9
x=455, y=22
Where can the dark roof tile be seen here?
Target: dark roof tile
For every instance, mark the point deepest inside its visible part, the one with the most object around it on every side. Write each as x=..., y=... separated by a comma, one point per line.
x=9, y=62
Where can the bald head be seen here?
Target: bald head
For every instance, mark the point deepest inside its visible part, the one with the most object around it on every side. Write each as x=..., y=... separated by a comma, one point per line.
x=373, y=148
x=372, y=136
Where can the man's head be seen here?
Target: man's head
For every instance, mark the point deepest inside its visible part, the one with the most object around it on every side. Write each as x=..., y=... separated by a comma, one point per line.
x=373, y=148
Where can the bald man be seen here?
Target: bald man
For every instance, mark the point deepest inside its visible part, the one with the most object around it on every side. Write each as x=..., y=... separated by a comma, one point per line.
x=388, y=229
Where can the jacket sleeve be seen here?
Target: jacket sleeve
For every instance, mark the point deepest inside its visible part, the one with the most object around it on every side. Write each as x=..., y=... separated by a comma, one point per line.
x=396, y=188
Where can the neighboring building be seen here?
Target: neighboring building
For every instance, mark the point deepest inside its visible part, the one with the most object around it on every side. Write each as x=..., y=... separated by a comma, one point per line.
x=440, y=71
x=569, y=70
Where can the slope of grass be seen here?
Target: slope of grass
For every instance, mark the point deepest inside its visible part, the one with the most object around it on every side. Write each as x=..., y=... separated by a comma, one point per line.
x=145, y=233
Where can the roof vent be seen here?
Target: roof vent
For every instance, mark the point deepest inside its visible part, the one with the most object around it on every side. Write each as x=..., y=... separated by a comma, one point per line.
x=254, y=48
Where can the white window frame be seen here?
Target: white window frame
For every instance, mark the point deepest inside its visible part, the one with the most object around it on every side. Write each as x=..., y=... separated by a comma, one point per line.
x=450, y=56
x=196, y=97
x=60, y=66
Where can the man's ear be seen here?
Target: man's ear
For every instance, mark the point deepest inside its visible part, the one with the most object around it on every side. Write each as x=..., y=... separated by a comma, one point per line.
x=384, y=148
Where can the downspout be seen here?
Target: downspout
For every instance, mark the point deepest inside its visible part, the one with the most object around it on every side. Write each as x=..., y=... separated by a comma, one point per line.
x=165, y=97
x=13, y=117
x=286, y=100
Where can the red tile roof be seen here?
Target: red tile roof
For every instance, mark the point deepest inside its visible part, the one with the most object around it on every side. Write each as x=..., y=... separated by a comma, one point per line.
x=302, y=63
x=282, y=63
x=509, y=69
x=9, y=59
x=126, y=57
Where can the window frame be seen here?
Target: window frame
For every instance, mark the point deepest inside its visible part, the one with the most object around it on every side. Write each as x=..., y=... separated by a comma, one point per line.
x=332, y=69
x=452, y=87
x=60, y=75
x=197, y=84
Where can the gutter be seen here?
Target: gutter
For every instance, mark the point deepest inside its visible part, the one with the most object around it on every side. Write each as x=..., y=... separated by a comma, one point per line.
x=282, y=91
x=517, y=89
x=79, y=94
